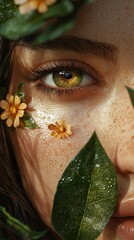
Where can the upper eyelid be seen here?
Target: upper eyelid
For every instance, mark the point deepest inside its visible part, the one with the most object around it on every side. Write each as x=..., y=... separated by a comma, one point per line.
x=46, y=68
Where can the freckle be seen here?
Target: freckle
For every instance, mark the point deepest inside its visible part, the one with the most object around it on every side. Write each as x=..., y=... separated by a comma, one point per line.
x=114, y=121
x=132, y=127
x=122, y=130
x=84, y=126
x=51, y=162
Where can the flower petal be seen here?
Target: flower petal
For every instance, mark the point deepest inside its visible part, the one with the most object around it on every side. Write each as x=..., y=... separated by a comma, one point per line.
x=19, y=1
x=42, y=8
x=69, y=132
x=68, y=129
x=62, y=123
x=34, y=4
x=54, y=134
x=9, y=121
x=9, y=98
x=16, y=122
x=27, y=7
x=52, y=127
x=4, y=104
x=5, y=115
x=50, y=2
x=17, y=100
x=20, y=113
x=61, y=129
x=22, y=106
x=58, y=124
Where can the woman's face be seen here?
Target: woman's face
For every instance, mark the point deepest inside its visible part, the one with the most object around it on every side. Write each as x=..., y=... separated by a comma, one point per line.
x=101, y=103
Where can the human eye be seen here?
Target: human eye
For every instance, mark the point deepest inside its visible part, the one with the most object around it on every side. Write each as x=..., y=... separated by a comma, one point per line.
x=64, y=77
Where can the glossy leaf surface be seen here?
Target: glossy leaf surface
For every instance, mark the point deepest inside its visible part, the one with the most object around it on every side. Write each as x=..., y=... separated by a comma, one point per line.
x=7, y=10
x=28, y=121
x=131, y=94
x=20, y=92
x=86, y=194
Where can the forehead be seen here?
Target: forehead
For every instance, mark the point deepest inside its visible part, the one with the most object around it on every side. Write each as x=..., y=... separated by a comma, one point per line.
x=106, y=20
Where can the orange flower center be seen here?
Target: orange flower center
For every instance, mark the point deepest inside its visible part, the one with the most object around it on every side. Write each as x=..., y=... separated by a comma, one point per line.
x=13, y=109
x=62, y=129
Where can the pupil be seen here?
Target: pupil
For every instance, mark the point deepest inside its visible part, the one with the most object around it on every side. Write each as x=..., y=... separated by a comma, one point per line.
x=67, y=79
x=66, y=75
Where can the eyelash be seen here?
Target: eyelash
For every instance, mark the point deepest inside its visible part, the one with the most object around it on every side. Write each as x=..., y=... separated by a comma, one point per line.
x=43, y=70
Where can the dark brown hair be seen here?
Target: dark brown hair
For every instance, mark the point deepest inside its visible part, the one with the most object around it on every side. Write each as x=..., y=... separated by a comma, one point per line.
x=12, y=193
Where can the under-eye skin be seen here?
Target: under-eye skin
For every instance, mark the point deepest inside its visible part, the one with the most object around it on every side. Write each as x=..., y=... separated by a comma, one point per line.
x=64, y=77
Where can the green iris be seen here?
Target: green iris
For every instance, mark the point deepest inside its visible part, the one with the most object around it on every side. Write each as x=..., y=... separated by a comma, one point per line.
x=66, y=79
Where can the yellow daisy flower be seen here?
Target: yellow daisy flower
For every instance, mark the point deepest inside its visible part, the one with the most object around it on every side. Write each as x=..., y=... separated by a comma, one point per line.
x=14, y=109
x=28, y=5
x=60, y=129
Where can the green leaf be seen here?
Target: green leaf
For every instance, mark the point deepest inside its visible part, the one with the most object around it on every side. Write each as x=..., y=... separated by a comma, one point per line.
x=14, y=25
x=19, y=91
x=55, y=31
x=89, y=1
x=28, y=121
x=86, y=194
x=23, y=25
x=7, y=10
x=19, y=228
x=131, y=94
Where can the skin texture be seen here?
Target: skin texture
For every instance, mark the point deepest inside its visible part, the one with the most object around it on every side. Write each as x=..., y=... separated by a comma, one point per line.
x=104, y=107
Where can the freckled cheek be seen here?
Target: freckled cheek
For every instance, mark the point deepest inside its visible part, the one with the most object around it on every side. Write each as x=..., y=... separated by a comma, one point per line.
x=55, y=154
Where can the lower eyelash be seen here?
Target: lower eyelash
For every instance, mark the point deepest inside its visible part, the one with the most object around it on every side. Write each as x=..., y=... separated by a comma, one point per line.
x=56, y=91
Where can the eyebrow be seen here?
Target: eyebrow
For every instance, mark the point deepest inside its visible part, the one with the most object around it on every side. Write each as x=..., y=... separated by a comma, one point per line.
x=102, y=50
